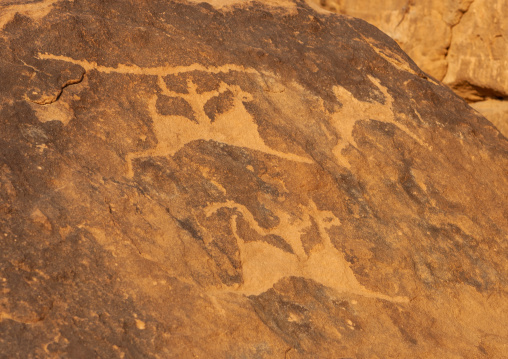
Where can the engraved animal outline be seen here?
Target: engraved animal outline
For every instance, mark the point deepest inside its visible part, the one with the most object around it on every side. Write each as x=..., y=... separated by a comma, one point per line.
x=35, y=11
x=307, y=268
x=355, y=110
x=343, y=120
x=264, y=265
x=234, y=127
x=167, y=142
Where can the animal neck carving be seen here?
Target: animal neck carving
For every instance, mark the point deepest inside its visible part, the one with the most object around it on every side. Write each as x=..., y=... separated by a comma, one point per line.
x=263, y=264
x=235, y=126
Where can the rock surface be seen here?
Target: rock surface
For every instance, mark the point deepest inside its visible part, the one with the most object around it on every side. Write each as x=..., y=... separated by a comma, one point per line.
x=463, y=43
x=240, y=180
x=496, y=112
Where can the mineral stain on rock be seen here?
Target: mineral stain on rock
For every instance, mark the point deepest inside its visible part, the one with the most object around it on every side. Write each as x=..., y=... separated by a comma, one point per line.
x=240, y=179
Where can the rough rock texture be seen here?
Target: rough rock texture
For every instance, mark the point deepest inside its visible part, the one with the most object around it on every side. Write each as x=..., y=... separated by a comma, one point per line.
x=464, y=43
x=478, y=53
x=496, y=112
x=246, y=180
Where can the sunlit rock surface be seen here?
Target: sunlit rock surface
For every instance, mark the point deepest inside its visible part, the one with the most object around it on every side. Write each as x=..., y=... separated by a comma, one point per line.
x=240, y=180
x=463, y=43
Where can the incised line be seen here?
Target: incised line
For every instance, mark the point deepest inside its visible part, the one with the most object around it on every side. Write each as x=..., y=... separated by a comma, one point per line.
x=355, y=110
x=154, y=71
x=263, y=264
x=235, y=127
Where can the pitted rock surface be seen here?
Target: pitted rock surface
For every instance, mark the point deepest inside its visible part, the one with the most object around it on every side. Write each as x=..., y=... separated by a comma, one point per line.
x=240, y=179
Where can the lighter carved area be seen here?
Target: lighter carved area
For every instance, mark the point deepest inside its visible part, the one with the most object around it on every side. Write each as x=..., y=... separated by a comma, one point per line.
x=354, y=110
x=155, y=71
x=22, y=320
x=263, y=264
x=235, y=127
x=35, y=11
x=288, y=5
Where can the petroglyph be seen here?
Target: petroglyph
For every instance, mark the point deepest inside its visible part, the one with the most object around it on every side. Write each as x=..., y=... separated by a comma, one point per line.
x=155, y=71
x=263, y=264
x=355, y=110
x=234, y=127
x=35, y=11
x=289, y=6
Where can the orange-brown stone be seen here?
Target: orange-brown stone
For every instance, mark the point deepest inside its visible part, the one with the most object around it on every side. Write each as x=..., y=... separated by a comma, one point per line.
x=240, y=179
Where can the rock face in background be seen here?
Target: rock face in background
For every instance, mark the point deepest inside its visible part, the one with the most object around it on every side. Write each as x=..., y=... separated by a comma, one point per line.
x=243, y=180
x=463, y=43
x=495, y=111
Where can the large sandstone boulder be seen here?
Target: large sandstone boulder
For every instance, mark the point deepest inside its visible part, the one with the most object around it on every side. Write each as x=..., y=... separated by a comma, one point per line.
x=240, y=180
x=463, y=43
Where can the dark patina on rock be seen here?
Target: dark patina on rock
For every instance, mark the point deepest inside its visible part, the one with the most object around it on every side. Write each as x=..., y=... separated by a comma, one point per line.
x=239, y=180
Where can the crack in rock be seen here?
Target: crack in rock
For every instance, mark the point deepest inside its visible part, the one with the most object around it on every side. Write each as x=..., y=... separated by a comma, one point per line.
x=50, y=100
x=405, y=10
x=461, y=13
